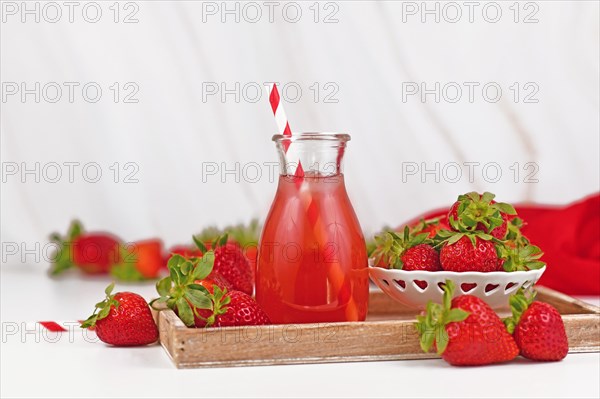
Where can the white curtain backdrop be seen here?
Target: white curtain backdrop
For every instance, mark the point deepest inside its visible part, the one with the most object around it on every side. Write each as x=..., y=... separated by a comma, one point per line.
x=179, y=52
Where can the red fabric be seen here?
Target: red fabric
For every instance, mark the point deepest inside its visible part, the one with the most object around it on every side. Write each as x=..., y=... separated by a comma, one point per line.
x=570, y=238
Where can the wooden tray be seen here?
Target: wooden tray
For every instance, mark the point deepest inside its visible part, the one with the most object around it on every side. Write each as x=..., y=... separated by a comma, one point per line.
x=388, y=334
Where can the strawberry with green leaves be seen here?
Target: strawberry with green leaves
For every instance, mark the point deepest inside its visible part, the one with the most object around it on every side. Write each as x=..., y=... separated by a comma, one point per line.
x=538, y=328
x=123, y=319
x=230, y=263
x=407, y=251
x=479, y=212
x=92, y=253
x=465, y=331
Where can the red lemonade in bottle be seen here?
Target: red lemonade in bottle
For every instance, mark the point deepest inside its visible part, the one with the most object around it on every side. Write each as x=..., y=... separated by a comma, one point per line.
x=312, y=264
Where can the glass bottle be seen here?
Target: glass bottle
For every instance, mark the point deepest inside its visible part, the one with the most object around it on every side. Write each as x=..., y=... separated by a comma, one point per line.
x=312, y=264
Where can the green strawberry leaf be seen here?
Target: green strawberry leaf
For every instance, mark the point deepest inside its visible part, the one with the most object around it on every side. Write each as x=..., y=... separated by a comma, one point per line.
x=184, y=312
x=487, y=197
x=426, y=341
x=200, y=288
x=534, y=265
x=75, y=230
x=199, y=244
x=204, y=266
x=174, y=261
x=199, y=299
x=163, y=286
x=223, y=240
x=441, y=339
x=109, y=289
x=456, y=315
x=505, y=208
x=186, y=267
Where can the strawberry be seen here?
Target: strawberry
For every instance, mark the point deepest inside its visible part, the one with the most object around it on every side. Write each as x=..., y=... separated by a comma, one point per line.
x=465, y=331
x=538, y=328
x=408, y=252
x=92, y=253
x=462, y=253
x=140, y=261
x=123, y=319
x=421, y=257
x=231, y=264
x=474, y=212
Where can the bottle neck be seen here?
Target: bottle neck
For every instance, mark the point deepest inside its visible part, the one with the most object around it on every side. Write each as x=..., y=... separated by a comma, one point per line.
x=317, y=155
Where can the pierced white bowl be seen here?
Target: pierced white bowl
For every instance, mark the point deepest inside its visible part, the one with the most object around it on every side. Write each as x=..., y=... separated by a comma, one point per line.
x=495, y=288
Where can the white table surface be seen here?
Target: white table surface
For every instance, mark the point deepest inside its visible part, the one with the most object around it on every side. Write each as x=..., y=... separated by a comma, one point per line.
x=79, y=368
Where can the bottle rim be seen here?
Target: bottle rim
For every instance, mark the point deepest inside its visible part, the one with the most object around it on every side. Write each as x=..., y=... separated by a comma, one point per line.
x=312, y=136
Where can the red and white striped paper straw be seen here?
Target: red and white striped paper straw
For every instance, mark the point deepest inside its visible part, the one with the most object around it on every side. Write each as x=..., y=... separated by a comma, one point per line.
x=282, y=122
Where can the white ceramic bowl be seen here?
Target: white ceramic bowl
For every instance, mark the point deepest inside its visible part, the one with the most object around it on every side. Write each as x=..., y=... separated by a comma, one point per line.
x=494, y=288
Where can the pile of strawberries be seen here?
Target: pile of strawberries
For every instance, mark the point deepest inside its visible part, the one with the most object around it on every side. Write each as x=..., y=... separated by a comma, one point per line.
x=105, y=253
x=208, y=288
x=465, y=331
x=478, y=234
